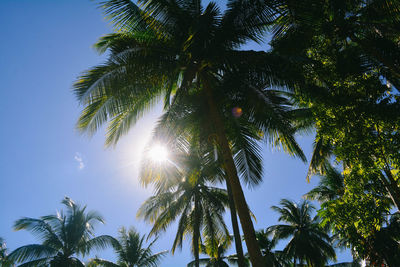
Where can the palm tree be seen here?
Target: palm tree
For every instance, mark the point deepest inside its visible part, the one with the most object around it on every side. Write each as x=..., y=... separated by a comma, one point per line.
x=131, y=251
x=5, y=261
x=308, y=241
x=63, y=235
x=171, y=49
x=331, y=186
x=216, y=251
x=187, y=195
x=272, y=258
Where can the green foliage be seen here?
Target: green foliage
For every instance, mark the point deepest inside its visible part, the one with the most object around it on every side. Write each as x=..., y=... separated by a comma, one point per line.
x=348, y=84
x=358, y=217
x=351, y=80
x=356, y=123
x=363, y=204
x=364, y=33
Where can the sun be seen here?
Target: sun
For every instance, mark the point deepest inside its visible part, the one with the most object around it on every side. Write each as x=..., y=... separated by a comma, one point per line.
x=158, y=153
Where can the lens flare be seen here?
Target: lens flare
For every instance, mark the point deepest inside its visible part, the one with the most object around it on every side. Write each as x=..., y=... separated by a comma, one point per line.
x=237, y=112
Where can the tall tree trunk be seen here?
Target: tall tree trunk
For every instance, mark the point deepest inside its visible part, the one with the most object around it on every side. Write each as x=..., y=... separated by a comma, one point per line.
x=196, y=233
x=235, y=227
x=233, y=179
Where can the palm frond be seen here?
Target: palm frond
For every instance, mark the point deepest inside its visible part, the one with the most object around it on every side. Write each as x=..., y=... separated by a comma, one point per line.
x=330, y=187
x=32, y=252
x=320, y=157
x=99, y=242
x=40, y=228
x=124, y=14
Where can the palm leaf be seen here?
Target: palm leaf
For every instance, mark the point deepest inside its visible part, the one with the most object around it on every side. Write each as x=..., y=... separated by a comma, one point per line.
x=32, y=252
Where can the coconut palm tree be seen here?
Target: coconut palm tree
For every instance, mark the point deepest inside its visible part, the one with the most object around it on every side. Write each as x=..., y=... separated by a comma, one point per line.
x=171, y=49
x=272, y=258
x=308, y=241
x=131, y=251
x=187, y=195
x=216, y=250
x=64, y=236
x=4, y=259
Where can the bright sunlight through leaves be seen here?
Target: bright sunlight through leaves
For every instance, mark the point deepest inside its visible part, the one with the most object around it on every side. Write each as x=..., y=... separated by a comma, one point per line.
x=158, y=153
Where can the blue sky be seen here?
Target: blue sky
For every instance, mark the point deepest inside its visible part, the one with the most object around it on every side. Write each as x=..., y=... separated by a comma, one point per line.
x=44, y=46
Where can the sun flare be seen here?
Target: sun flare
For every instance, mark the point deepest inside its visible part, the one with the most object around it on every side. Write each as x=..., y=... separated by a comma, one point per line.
x=158, y=153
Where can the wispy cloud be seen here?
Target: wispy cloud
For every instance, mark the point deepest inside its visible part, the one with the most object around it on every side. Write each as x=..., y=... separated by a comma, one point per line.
x=79, y=159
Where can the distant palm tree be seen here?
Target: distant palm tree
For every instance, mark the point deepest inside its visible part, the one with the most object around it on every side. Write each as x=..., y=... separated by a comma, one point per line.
x=131, y=252
x=216, y=250
x=185, y=195
x=272, y=258
x=63, y=236
x=5, y=261
x=308, y=241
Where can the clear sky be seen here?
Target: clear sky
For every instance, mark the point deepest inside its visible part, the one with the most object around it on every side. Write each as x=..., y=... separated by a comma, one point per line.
x=44, y=46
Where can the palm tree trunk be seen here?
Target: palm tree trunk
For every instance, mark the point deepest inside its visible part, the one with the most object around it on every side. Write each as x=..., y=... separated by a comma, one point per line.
x=235, y=227
x=233, y=179
x=196, y=233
